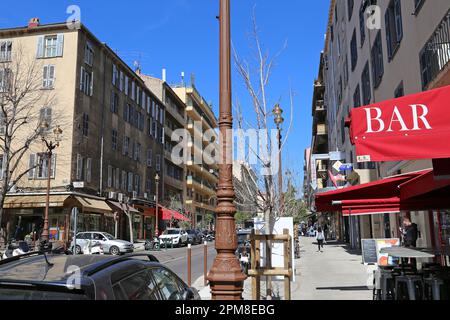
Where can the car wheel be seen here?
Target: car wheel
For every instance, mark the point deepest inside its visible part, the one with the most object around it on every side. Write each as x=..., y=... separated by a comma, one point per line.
x=77, y=249
x=114, y=251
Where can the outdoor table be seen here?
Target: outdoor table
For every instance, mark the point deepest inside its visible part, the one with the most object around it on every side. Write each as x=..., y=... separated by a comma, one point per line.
x=402, y=252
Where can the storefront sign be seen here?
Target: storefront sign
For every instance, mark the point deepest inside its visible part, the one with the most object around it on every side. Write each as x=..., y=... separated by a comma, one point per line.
x=346, y=167
x=371, y=251
x=408, y=128
x=337, y=165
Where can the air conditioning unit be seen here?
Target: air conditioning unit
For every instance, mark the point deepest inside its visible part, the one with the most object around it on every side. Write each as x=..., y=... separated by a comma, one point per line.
x=120, y=197
x=112, y=195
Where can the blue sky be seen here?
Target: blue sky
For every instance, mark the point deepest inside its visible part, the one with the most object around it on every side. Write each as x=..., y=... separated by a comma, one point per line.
x=182, y=35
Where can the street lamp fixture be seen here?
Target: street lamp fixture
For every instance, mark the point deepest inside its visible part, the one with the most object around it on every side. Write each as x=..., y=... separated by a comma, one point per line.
x=279, y=120
x=156, y=206
x=50, y=145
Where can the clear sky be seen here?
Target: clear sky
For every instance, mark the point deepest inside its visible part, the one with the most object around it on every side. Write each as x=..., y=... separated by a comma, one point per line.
x=182, y=35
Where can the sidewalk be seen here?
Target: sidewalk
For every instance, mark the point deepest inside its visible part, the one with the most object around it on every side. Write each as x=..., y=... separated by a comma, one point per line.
x=335, y=274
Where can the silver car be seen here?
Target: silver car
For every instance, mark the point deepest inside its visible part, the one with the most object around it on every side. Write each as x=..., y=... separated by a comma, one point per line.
x=109, y=244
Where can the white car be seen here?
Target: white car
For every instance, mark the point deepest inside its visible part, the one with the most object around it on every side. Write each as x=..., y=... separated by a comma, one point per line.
x=179, y=237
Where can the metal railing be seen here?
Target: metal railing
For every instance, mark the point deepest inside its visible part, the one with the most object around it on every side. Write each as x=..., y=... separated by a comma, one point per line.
x=435, y=55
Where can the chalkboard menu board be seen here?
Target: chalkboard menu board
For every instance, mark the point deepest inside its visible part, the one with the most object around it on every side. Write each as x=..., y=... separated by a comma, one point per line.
x=369, y=251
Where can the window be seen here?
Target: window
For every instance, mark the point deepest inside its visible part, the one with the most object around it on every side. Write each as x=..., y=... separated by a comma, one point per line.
x=115, y=76
x=343, y=130
x=79, y=169
x=137, y=287
x=362, y=23
x=88, y=171
x=48, y=77
x=350, y=4
x=124, y=181
x=126, y=113
x=114, y=102
x=148, y=183
x=130, y=182
x=86, y=81
x=2, y=124
x=50, y=46
x=89, y=54
x=5, y=80
x=117, y=178
x=169, y=286
x=110, y=176
x=339, y=93
x=5, y=51
x=377, y=61
x=126, y=145
x=126, y=86
x=137, y=184
x=38, y=166
x=357, y=97
x=399, y=91
x=137, y=152
x=345, y=71
x=354, y=51
x=418, y=5
x=114, y=139
x=149, y=157
x=85, y=128
x=394, y=27
x=365, y=83
x=158, y=162
x=122, y=81
x=2, y=163
x=133, y=90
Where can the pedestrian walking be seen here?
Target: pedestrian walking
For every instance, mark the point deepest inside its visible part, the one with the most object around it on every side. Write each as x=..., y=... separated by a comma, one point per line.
x=320, y=237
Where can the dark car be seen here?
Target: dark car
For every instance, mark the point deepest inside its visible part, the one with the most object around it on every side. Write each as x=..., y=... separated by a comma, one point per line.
x=194, y=236
x=37, y=276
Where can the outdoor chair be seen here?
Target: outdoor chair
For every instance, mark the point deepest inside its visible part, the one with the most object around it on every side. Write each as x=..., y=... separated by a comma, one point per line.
x=435, y=289
x=387, y=284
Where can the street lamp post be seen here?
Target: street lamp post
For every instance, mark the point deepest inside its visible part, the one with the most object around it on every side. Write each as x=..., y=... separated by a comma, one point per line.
x=277, y=111
x=51, y=145
x=156, y=209
x=226, y=277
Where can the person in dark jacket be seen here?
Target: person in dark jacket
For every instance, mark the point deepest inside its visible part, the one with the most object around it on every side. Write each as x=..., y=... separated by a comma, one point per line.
x=410, y=233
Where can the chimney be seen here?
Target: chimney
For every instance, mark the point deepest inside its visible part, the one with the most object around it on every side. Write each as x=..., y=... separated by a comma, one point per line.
x=33, y=23
x=164, y=76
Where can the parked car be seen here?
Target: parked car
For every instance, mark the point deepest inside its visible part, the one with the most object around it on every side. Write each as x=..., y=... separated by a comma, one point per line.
x=194, y=236
x=89, y=277
x=179, y=237
x=109, y=244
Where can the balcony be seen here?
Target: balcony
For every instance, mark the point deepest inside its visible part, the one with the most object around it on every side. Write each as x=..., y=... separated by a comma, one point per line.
x=435, y=57
x=177, y=184
x=200, y=186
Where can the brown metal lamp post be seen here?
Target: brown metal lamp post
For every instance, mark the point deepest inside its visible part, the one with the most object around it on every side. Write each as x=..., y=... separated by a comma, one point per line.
x=51, y=145
x=226, y=277
x=156, y=207
x=277, y=111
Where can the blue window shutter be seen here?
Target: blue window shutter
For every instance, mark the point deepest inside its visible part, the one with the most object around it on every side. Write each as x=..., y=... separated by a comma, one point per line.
x=40, y=47
x=60, y=43
x=53, y=166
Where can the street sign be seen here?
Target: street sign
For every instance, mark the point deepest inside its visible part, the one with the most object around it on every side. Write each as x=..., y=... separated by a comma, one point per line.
x=337, y=165
x=78, y=185
x=346, y=167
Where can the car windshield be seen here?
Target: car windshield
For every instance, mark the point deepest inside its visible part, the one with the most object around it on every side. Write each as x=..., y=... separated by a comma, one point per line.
x=242, y=237
x=191, y=231
x=171, y=232
x=108, y=236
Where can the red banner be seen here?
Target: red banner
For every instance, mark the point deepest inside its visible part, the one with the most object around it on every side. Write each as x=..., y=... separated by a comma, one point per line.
x=408, y=128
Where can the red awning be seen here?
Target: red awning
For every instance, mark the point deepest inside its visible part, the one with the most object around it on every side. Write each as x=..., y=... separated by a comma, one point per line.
x=408, y=128
x=168, y=214
x=382, y=196
x=381, y=191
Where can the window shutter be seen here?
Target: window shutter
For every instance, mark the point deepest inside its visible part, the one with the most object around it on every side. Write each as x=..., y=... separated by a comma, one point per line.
x=117, y=179
x=40, y=47
x=88, y=170
x=48, y=116
x=45, y=76
x=388, y=34
x=91, y=89
x=53, y=173
x=110, y=169
x=31, y=166
x=51, y=75
x=2, y=158
x=60, y=45
x=114, y=71
x=79, y=167
x=398, y=20
x=82, y=79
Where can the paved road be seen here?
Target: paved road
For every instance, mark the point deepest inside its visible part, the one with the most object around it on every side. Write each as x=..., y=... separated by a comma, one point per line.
x=176, y=260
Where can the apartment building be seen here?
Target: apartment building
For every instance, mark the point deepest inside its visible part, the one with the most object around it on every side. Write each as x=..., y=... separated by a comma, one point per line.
x=112, y=141
x=405, y=51
x=174, y=192
x=201, y=168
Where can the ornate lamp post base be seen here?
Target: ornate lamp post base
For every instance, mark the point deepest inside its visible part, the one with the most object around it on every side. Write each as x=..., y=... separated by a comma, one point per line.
x=226, y=278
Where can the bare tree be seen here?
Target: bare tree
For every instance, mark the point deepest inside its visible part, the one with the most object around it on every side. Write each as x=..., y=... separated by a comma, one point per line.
x=256, y=74
x=21, y=117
